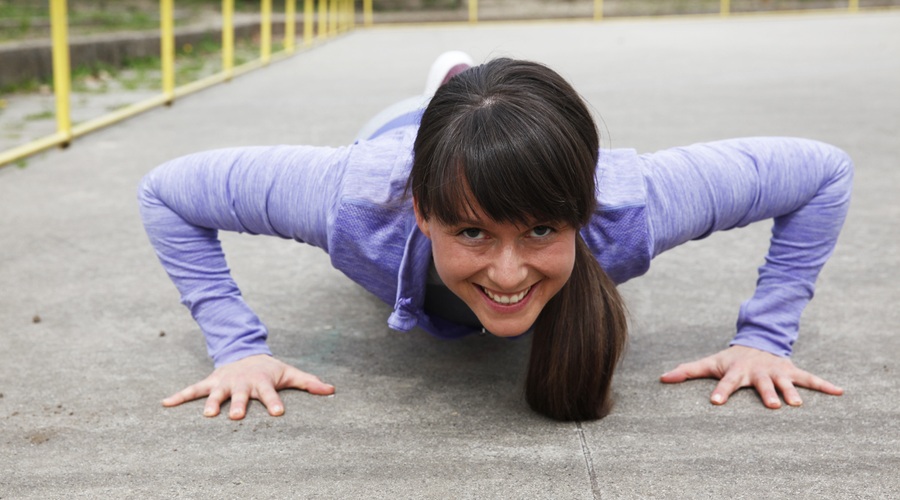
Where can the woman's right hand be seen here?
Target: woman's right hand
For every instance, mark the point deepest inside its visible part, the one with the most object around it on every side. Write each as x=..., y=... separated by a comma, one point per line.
x=257, y=377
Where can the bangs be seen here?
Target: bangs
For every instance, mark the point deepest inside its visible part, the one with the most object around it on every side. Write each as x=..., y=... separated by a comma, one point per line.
x=513, y=167
x=511, y=139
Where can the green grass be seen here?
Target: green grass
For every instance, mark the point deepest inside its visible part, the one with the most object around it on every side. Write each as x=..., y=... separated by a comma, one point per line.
x=105, y=20
x=23, y=19
x=43, y=115
x=30, y=85
x=20, y=19
x=192, y=61
x=10, y=9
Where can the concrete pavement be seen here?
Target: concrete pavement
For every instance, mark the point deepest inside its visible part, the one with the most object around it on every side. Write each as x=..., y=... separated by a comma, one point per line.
x=92, y=336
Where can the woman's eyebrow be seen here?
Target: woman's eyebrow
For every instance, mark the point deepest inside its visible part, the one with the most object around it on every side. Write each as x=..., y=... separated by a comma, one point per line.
x=466, y=221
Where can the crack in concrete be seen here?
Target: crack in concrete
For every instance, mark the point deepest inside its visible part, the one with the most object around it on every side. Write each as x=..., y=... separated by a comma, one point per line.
x=595, y=487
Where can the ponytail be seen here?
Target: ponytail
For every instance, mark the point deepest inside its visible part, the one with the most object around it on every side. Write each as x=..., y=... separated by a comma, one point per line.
x=577, y=342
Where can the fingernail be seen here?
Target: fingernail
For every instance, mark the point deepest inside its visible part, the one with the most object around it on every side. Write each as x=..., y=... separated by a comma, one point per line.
x=277, y=410
x=717, y=399
x=208, y=412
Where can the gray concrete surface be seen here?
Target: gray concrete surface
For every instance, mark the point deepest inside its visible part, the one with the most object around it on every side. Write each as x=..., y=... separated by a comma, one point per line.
x=416, y=417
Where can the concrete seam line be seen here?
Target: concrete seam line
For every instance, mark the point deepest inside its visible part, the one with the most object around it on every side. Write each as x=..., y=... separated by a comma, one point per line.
x=595, y=488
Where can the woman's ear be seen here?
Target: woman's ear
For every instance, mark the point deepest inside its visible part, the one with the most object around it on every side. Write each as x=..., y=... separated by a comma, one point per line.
x=421, y=221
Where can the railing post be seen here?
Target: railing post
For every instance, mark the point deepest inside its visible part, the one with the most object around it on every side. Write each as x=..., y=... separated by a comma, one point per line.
x=323, y=19
x=473, y=11
x=598, y=10
x=352, y=13
x=367, y=12
x=265, y=31
x=349, y=12
x=62, y=75
x=307, y=22
x=167, y=48
x=290, y=23
x=724, y=7
x=228, y=38
x=853, y=6
x=345, y=15
x=332, y=17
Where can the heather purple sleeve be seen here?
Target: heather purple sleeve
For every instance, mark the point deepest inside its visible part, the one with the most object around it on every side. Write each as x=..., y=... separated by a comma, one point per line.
x=286, y=191
x=803, y=185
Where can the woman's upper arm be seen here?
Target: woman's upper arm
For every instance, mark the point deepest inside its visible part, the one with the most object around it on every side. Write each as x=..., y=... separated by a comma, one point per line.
x=285, y=191
x=803, y=185
x=696, y=190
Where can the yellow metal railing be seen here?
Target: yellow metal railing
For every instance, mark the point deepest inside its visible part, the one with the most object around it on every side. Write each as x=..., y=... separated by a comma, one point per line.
x=62, y=75
x=167, y=48
x=321, y=19
x=227, y=38
x=61, y=81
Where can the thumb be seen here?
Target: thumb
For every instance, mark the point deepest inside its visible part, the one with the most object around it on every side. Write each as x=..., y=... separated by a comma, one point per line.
x=687, y=371
x=306, y=382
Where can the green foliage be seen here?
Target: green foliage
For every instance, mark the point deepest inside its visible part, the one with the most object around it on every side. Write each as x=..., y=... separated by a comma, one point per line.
x=21, y=8
x=442, y=4
x=30, y=85
x=43, y=115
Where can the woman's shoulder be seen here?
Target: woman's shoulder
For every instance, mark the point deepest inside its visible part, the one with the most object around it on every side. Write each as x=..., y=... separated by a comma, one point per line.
x=377, y=169
x=374, y=215
x=620, y=181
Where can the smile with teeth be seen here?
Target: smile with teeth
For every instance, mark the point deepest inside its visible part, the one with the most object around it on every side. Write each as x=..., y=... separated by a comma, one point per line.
x=506, y=299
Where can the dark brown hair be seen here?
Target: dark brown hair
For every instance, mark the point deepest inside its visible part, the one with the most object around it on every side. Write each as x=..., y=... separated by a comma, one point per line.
x=515, y=139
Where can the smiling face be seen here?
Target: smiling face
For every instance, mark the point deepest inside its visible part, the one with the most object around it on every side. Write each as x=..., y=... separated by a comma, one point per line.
x=505, y=272
x=502, y=178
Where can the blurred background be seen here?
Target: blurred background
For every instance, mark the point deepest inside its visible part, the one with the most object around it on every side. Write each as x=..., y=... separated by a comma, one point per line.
x=114, y=45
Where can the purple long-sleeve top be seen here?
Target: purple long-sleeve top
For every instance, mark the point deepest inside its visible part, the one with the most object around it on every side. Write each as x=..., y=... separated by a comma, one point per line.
x=350, y=202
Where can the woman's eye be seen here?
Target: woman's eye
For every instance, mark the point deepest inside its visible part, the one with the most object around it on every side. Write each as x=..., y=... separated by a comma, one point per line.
x=541, y=231
x=472, y=233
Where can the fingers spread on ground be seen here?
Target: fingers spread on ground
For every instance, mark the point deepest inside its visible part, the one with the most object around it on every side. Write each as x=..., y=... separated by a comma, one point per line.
x=724, y=389
x=788, y=391
x=766, y=390
x=270, y=399
x=810, y=381
x=214, y=402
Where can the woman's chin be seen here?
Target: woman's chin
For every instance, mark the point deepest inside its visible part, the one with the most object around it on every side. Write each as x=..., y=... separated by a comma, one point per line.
x=507, y=335
x=504, y=329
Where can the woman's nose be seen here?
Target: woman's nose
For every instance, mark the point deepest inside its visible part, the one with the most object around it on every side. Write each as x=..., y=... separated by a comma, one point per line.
x=508, y=270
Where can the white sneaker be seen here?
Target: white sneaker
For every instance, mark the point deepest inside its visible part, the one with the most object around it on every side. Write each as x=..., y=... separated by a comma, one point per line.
x=445, y=67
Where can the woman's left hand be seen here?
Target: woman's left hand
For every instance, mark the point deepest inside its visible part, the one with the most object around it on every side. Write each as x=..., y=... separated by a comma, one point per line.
x=740, y=366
